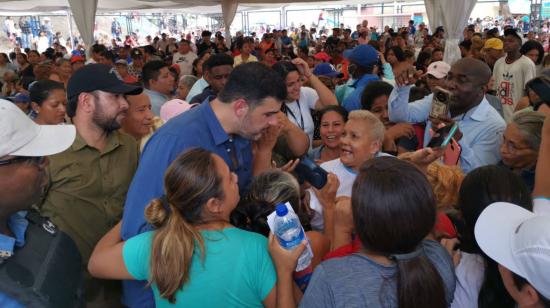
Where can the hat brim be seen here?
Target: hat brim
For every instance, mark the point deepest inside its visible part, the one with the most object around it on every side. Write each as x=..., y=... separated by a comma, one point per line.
x=124, y=88
x=495, y=228
x=51, y=139
x=435, y=74
x=333, y=75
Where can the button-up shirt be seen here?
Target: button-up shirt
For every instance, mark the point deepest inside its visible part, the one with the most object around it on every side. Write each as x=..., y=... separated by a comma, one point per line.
x=18, y=224
x=88, y=188
x=481, y=127
x=198, y=127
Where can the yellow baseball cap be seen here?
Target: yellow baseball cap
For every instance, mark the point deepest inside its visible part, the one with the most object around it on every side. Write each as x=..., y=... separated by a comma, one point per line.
x=494, y=43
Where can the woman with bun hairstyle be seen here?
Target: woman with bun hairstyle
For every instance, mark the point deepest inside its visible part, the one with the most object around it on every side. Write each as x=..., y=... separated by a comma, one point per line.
x=194, y=257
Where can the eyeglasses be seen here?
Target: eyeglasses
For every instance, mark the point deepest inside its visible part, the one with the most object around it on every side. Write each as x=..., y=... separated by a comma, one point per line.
x=512, y=147
x=37, y=160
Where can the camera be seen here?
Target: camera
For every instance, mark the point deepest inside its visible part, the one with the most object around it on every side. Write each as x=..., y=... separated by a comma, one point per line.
x=308, y=170
x=440, y=103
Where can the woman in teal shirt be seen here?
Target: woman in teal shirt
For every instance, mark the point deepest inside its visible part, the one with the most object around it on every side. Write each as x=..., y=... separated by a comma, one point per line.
x=194, y=257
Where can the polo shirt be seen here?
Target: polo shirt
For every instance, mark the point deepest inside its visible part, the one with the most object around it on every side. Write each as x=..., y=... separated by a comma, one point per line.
x=353, y=101
x=88, y=188
x=198, y=127
x=18, y=224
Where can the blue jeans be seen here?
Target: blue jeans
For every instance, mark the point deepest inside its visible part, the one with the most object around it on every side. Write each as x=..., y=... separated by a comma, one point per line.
x=26, y=40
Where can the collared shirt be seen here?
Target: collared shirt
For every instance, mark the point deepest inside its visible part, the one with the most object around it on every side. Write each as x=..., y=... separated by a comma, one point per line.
x=197, y=89
x=481, y=127
x=157, y=100
x=18, y=224
x=353, y=101
x=198, y=127
x=88, y=188
x=207, y=95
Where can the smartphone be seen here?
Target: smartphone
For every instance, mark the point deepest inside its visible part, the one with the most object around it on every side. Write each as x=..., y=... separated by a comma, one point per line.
x=452, y=153
x=443, y=136
x=308, y=170
x=440, y=103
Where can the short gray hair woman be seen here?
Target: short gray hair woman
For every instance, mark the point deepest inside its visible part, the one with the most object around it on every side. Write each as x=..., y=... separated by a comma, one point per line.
x=185, y=84
x=520, y=145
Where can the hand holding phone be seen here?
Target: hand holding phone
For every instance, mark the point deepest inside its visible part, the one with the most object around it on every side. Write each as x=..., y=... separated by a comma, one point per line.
x=442, y=136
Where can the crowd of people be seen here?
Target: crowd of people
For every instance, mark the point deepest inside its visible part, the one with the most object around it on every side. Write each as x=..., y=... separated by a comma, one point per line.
x=144, y=176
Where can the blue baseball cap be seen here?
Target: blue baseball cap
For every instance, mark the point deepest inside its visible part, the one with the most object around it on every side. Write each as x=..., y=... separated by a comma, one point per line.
x=326, y=69
x=362, y=55
x=20, y=98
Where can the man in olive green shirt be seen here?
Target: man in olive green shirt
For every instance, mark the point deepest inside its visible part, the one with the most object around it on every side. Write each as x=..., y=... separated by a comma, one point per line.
x=89, y=180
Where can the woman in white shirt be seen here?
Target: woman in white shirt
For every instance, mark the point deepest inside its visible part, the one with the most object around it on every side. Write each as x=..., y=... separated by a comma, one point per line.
x=300, y=100
x=478, y=280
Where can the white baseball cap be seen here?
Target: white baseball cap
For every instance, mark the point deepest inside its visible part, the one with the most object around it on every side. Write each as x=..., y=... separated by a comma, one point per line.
x=518, y=240
x=20, y=136
x=438, y=69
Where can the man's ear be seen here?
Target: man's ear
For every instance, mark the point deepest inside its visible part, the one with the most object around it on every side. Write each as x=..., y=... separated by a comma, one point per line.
x=241, y=107
x=86, y=102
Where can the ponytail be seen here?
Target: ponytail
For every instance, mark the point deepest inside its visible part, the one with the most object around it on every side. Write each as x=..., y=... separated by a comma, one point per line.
x=172, y=248
x=419, y=283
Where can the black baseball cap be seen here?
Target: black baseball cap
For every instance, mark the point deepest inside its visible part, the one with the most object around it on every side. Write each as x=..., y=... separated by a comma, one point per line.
x=94, y=77
x=136, y=53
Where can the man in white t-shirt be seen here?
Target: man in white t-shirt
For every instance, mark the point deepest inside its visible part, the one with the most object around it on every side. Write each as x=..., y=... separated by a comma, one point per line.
x=511, y=73
x=163, y=42
x=184, y=58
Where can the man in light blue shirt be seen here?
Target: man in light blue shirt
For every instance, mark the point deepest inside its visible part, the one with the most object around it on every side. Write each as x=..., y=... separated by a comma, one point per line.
x=24, y=147
x=159, y=84
x=365, y=59
x=480, y=125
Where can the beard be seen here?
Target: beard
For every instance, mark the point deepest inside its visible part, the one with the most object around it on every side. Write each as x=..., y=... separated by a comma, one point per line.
x=107, y=123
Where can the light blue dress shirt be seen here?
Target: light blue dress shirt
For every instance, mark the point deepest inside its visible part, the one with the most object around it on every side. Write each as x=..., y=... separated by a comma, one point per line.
x=197, y=89
x=157, y=100
x=481, y=127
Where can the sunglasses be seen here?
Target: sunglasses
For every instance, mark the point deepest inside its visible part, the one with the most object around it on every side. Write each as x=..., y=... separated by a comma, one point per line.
x=37, y=160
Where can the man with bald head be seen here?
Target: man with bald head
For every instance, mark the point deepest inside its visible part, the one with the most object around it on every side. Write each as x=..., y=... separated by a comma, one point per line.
x=480, y=125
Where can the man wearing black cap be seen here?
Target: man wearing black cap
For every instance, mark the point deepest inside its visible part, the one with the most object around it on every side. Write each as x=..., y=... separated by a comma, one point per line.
x=511, y=73
x=90, y=179
x=136, y=67
x=206, y=43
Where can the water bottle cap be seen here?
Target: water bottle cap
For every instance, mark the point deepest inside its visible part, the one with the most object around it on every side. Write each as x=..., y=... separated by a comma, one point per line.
x=281, y=210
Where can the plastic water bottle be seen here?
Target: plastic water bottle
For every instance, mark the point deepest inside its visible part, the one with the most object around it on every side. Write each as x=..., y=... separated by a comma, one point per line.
x=290, y=234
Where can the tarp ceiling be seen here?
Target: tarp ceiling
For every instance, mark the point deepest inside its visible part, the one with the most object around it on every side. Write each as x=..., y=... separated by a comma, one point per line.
x=130, y=5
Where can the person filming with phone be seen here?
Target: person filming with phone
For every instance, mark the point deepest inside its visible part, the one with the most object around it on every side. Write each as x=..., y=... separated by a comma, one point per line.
x=460, y=100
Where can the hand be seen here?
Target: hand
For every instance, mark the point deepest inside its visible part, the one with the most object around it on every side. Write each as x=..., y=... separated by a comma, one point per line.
x=284, y=122
x=450, y=245
x=405, y=74
x=268, y=139
x=381, y=56
x=302, y=66
x=327, y=194
x=343, y=216
x=401, y=130
x=285, y=260
x=288, y=167
x=423, y=157
x=450, y=122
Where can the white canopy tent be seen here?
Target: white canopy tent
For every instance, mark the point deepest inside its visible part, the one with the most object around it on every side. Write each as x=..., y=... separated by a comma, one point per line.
x=451, y=14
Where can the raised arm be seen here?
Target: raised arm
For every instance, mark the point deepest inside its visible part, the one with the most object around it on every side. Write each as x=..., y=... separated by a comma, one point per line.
x=542, y=180
x=326, y=96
